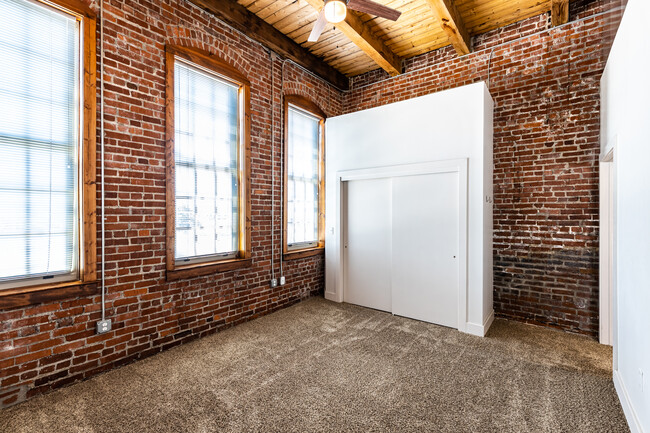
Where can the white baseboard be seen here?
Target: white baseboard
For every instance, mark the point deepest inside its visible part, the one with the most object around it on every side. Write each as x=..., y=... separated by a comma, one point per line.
x=331, y=297
x=480, y=330
x=628, y=409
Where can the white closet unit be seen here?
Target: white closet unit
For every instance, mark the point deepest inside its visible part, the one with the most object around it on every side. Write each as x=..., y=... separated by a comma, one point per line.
x=409, y=208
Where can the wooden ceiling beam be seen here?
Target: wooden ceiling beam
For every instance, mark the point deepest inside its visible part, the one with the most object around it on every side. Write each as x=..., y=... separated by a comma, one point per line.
x=559, y=12
x=452, y=23
x=246, y=22
x=360, y=34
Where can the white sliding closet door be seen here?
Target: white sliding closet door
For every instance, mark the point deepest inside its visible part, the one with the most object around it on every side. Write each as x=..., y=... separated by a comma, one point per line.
x=425, y=247
x=402, y=245
x=367, y=244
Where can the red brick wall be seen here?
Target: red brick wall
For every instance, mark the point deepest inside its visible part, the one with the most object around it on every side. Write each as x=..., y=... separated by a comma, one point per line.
x=53, y=344
x=545, y=85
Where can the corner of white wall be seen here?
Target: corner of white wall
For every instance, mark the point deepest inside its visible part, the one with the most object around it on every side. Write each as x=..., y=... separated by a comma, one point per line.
x=625, y=109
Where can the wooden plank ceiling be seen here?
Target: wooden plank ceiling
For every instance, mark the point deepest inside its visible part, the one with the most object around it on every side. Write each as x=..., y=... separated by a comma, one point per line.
x=364, y=43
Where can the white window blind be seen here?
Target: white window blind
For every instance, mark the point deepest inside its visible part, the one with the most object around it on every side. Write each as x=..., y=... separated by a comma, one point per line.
x=206, y=163
x=302, y=178
x=39, y=143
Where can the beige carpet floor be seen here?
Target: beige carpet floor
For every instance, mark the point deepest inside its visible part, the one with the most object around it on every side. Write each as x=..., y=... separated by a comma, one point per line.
x=321, y=366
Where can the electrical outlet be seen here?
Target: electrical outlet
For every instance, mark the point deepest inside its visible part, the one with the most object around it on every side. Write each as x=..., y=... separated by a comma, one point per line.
x=103, y=326
x=283, y=281
x=274, y=282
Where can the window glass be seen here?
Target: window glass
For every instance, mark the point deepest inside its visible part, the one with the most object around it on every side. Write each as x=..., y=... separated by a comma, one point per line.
x=302, y=177
x=206, y=164
x=39, y=142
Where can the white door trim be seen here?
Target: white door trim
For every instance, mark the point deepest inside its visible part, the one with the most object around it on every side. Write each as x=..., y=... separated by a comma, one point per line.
x=459, y=166
x=605, y=334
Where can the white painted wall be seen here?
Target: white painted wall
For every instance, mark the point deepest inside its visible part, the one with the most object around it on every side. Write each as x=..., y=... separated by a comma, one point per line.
x=453, y=124
x=625, y=102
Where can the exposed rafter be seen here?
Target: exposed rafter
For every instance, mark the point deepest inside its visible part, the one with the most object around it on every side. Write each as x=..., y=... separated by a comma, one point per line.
x=359, y=33
x=452, y=23
x=240, y=18
x=559, y=12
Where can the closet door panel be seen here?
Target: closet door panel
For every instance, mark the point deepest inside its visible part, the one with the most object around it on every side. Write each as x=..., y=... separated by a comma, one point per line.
x=425, y=247
x=367, y=243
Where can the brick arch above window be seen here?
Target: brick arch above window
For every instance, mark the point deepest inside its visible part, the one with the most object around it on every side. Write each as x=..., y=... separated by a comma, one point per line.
x=213, y=46
x=309, y=95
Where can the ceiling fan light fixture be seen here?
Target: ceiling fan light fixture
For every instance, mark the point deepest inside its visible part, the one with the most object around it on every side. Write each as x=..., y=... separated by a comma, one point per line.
x=335, y=11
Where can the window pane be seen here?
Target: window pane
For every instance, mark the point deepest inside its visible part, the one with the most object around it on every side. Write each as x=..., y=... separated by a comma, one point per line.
x=302, y=173
x=39, y=148
x=205, y=121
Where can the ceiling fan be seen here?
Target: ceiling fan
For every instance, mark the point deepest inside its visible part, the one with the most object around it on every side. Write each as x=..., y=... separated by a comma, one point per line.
x=334, y=11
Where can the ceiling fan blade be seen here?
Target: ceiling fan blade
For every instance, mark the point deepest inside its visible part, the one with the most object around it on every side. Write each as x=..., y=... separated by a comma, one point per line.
x=319, y=25
x=374, y=8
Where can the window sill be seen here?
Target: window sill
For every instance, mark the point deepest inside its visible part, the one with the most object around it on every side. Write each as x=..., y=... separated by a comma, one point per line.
x=24, y=296
x=301, y=254
x=202, y=269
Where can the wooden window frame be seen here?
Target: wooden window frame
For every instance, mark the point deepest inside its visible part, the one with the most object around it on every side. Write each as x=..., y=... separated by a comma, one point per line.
x=87, y=282
x=310, y=107
x=218, y=67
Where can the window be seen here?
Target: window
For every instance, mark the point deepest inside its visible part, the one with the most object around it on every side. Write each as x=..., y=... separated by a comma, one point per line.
x=207, y=169
x=304, y=176
x=47, y=145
